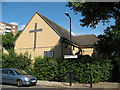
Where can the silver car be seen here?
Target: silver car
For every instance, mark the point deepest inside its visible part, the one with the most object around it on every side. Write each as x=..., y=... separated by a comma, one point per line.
x=17, y=76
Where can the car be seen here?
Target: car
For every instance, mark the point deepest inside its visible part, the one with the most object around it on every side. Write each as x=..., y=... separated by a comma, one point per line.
x=17, y=76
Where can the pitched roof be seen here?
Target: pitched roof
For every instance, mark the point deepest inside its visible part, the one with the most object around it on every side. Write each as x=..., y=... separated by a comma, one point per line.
x=82, y=40
x=86, y=40
x=58, y=29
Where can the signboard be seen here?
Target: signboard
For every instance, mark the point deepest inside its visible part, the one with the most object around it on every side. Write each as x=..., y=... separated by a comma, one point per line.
x=70, y=56
x=49, y=53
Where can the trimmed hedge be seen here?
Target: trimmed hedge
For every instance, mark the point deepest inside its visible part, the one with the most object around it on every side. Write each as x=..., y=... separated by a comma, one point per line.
x=116, y=70
x=45, y=69
x=58, y=69
x=16, y=61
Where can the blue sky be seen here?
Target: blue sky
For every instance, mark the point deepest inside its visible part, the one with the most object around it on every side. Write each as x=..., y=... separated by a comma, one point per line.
x=21, y=12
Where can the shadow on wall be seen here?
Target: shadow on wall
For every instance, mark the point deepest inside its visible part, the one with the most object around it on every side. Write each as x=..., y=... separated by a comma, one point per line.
x=63, y=48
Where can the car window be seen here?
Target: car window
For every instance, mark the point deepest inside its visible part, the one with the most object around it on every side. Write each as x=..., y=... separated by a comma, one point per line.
x=20, y=72
x=11, y=72
x=5, y=71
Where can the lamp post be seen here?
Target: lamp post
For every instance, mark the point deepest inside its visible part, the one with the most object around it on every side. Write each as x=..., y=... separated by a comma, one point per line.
x=67, y=14
x=88, y=64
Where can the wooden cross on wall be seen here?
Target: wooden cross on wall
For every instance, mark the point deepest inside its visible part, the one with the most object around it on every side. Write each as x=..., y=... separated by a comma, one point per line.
x=35, y=34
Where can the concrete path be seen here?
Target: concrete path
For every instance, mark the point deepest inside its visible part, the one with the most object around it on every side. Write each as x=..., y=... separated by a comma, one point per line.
x=52, y=84
x=66, y=85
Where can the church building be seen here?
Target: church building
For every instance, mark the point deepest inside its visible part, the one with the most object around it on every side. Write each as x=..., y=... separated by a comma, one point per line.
x=42, y=37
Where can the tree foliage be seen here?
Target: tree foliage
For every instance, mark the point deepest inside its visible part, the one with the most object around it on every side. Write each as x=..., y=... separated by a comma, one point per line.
x=21, y=61
x=17, y=35
x=58, y=69
x=109, y=42
x=8, y=40
x=95, y=12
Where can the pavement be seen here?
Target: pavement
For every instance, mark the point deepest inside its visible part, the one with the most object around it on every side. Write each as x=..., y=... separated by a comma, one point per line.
x=53, y=84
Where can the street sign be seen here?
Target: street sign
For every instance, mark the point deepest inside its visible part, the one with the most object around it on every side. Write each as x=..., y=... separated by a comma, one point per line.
x=70, y=56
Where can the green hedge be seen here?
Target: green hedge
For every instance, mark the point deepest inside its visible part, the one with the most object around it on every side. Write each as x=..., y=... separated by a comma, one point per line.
x=116, y=70
x=58, y=69
x=16, y=61
x=45, y=69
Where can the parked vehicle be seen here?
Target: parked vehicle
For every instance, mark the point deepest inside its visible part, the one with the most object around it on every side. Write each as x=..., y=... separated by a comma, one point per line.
x=17, y=76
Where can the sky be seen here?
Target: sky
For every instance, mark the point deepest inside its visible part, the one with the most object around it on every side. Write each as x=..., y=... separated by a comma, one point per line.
x=19, y=13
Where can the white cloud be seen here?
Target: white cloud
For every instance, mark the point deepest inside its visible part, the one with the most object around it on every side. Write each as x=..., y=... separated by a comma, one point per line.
x=21, y=27
x=14, y=23
x=73, y=33
x=79, y=33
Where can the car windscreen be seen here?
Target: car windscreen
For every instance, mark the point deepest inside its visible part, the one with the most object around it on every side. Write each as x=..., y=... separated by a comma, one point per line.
x=20, y=72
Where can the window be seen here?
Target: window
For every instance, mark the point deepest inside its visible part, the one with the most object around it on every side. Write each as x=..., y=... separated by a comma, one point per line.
x=5, y=71
x=8, y=29
x=6, y=32
x=2, y=27
x=13, y=26
x=20, y=72
x=11, y=72
x=13, y=30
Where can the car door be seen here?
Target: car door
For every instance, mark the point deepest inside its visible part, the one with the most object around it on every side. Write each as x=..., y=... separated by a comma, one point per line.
x=0, y=76
x=5, y=76
x=11, y=77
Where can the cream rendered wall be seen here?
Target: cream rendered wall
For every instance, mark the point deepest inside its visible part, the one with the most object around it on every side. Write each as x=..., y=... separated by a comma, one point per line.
x=47, y=39
x=87, y=51
x=66, y=49
x=75, y=50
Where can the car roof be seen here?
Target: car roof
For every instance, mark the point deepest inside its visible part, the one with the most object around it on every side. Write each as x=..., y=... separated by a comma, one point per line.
x=10, y=69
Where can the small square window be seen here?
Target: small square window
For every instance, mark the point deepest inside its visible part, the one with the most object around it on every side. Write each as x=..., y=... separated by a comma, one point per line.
x=13, y=26
x=13, y=30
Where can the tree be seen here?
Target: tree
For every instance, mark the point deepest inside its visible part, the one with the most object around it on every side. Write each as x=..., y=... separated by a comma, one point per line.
x=18, y=33
x=95, y=12
x=109, y=42
x=8, y=40
x=21, y=61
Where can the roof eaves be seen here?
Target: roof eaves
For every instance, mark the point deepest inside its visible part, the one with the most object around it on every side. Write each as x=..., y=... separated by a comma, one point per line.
x=54, y=28
x=68, y=41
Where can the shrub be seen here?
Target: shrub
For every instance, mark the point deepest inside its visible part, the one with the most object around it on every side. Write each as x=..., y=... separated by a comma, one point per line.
x=8, y=40
x=116, y=70
x=16, y=61
x=58, y=69
x=45, y=69
x=99, y=69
